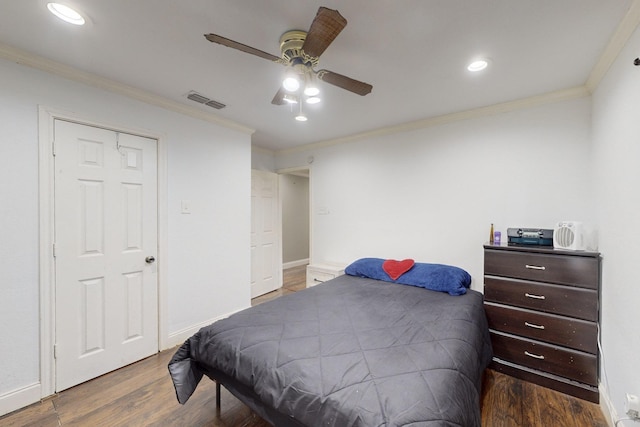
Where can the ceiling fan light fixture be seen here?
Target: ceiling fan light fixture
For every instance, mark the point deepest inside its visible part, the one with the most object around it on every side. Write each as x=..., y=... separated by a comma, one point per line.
x=66, y=13
x=311, y=90
x=478, y=65
x=291, y=83
x=290, y=99
x=301, y=117
x=311, y=84
x=293, y=78
x=300, y=52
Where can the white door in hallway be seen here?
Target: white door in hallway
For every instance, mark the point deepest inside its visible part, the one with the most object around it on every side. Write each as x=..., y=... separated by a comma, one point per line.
x=266, y=256
x=106, y=291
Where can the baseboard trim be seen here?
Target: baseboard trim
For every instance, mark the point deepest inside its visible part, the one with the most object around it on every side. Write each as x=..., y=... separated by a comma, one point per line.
x=17, y=399
x=179, y=337
x=606, y=406
x=297, y=263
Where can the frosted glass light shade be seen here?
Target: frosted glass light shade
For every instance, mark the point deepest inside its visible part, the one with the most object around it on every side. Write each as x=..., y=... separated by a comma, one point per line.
x=311, y=90
x=291, y=84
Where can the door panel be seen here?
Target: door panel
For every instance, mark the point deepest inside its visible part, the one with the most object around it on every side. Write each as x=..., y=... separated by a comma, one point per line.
x=266, y=271
x=105, y=227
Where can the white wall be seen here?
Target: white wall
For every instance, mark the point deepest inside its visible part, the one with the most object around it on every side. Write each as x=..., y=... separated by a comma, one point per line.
x=294, y=194
x=431, y=194
x=616, y=141
x=208, y=255
x=262, y=159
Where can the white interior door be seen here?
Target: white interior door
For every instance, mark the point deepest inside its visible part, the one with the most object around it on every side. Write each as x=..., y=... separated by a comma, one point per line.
x=106, y=293
x=266, y=271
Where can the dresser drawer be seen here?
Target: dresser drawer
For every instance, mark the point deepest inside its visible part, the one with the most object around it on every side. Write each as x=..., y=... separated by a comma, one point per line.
x=319, y=273
x=572, y=364
x=320, y=276
x=565, y=331
x=574, y=270
x=564, y=300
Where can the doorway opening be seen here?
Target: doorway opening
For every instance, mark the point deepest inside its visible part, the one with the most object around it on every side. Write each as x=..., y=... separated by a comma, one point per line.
x=296, y=219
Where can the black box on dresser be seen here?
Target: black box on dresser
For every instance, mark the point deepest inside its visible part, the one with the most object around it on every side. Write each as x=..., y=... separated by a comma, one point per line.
x=542, y=305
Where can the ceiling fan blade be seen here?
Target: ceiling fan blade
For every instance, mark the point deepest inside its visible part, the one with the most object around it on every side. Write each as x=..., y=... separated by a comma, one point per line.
x=324, y=29
x=344, y=82
x=279, y=98
x=239, y=46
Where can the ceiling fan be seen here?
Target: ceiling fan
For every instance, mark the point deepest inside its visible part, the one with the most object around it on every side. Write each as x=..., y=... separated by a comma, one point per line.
x=300, y=52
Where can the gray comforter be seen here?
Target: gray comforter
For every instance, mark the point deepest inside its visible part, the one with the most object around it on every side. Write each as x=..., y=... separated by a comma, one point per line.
x=351, y=352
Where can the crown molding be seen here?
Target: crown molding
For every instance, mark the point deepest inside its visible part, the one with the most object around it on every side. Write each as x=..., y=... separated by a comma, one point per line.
x=25, y=58
x=624, y=31
x=262, y=150
x=620, y=37
x=505, y=107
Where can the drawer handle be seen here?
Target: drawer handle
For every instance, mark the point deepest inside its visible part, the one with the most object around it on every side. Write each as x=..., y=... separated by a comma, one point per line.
x=535, y=356
x=318, y=280
x=534, y=296
x=535, y=267
x=533, y=325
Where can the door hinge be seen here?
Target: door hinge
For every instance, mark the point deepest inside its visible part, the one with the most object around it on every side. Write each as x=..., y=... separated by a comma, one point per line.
x=53, y=148
x=54, y=250
x=55, y=351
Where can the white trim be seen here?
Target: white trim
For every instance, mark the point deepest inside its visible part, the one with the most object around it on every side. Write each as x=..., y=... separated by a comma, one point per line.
x=19, y=398
x=262, y=150
x=179, y=337
x=297, y=263
x=46, y=265
x=533, y=101
x=623, y=32
x=25, y=58
x=606, y=406
x=311, y=211
x=163, y=244
x=46, y=117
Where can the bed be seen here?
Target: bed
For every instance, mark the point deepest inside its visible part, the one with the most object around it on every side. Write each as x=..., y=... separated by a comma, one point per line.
x=353, y=351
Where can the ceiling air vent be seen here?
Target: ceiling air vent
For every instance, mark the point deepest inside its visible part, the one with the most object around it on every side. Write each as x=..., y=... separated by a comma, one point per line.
x=195, y=96
x=215, y=104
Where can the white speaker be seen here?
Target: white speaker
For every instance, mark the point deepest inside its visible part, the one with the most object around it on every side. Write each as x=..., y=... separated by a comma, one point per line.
x=570, y=235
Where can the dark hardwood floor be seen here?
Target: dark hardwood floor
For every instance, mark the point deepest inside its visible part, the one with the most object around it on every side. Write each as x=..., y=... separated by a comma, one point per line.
x=142, y=395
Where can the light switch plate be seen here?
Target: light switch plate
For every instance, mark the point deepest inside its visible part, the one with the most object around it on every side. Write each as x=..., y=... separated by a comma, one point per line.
x=185, y=207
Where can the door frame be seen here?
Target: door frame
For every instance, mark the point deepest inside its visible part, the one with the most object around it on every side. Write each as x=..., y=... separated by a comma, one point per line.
x=46, y=119
x=293, y=170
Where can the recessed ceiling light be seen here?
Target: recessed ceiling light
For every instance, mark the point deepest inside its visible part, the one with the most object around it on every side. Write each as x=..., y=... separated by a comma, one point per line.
x=478, y=65
x=313, y=100
x=66, y=13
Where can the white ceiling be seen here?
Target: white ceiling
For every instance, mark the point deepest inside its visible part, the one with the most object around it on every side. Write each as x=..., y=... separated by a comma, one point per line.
x=413, y=52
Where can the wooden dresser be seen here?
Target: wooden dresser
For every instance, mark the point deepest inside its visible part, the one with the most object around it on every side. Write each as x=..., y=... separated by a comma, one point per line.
x=542, y=307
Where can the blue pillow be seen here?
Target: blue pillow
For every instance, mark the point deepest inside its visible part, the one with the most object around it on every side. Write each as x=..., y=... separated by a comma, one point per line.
x=437, y=277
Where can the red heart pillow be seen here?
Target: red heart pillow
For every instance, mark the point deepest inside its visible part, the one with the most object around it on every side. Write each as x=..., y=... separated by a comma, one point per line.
x=396, y=268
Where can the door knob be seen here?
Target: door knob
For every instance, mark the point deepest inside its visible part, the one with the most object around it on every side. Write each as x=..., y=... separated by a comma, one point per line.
x=150, y=260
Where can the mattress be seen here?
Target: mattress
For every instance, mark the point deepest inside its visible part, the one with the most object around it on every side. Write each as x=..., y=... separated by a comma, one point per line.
x=349, y=352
